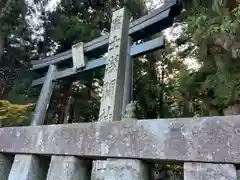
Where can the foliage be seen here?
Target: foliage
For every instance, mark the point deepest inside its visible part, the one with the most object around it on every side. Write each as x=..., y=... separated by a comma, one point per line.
x=17, y=47
x=22, y=92
x=16, y=44
x=14, y=114
x=164, y=86
x=75, y=21
x=213, y=30
x=11, y=15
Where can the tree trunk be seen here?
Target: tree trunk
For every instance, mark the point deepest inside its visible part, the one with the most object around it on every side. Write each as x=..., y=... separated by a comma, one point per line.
x=67, y=111
x=65, y=101
x=152, y=72
x=161, y=100
x=1, y=48
x=230, y=4
x=89, y=85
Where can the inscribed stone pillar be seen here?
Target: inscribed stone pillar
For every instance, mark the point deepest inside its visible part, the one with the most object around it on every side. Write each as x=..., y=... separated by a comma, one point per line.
x=5, y=166
x=30, y=167
x=67, y=167
x=113, y=88
x=112, y=100
x=207, y=171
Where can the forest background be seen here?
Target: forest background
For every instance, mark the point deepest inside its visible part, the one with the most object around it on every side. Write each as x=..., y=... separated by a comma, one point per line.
x=196, y=75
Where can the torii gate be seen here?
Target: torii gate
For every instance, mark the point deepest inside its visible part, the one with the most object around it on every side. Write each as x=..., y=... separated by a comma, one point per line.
x=143, y=27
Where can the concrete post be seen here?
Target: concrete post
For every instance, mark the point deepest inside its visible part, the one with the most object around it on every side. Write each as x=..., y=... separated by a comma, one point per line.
x=30, y=167
x=207, y=171
x=233, y=110
x=68, y=167
x=210, y=171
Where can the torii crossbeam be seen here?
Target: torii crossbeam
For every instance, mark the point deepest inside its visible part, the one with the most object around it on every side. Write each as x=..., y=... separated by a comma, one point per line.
x=143, y=27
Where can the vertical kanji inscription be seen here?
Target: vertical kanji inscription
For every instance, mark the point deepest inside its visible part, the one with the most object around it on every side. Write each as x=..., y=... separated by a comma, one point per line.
x=114, y=43
x=116, y=23
x=112, y=62
x=112, y=93
x=113, y=88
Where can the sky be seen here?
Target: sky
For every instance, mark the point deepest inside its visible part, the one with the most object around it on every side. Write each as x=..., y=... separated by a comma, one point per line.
x=53, y=4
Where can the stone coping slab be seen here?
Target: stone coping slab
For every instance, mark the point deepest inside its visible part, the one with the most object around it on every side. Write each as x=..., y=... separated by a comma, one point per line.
x=207, y=139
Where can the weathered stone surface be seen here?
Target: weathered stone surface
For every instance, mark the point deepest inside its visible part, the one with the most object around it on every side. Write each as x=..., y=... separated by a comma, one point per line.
x=44, y=98
x=113, y=93
x=210, y=139
x=206, y=171
x=120, y=169
x=5, y=166
x=233, y=110
x=113, y=88
x=68, y=167
x=28, y=167
x=78, y=56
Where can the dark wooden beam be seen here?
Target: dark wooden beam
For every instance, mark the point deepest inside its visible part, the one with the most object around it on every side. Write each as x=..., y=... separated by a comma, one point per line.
x=143, y=27
x=136, y=50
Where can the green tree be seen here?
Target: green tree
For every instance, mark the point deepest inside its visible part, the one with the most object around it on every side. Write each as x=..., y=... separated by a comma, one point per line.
x=17, y=46
x=14, y=114
x=212, y=36
x=213, y=26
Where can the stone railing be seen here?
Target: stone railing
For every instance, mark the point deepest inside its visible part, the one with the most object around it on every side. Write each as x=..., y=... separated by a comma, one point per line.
x=209, y=147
